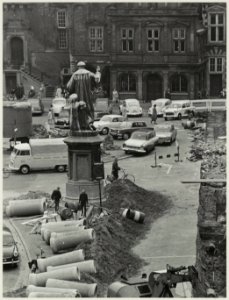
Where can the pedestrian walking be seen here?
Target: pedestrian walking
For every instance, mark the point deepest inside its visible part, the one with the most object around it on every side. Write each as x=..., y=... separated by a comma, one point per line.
x=115, y=96
x=59, y=92
x=154, y=115
x=115, y=168
x=83, y=201
x=56, y=196
x=19, y=92
x=32, y=92
x=124, y=111
x=50, y=117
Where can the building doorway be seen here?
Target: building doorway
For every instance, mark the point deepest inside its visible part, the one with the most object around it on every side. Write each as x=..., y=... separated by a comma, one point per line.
x=216, y=85
x=17, y=52
x=154, y=87
x=11, y=82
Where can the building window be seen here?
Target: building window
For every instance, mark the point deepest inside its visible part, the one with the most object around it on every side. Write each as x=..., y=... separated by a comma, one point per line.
x=127, y=35
x=179, y=83
x=61, y=19
x=216, y=27
x=179, y=40
x=96, y=39
x=63, y=39
x=127, y=82
x=152, y=40
x=216, y=64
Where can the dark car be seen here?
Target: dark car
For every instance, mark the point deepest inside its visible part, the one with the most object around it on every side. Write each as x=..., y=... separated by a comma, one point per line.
x=10, y=250
x=126, y=128
x=63, y=120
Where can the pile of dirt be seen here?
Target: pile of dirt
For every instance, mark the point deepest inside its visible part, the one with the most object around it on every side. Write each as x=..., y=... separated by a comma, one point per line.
x=19, y=293
x=116, y=236
x=39, y=132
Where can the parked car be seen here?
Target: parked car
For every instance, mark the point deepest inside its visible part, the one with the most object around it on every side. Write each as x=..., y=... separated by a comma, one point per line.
x=126, y=128
x=161, y=104
x=10, y=249
x=179, y=109
x=166, y=133
x=141, y=141
x=36, y=106
x=57, y=104
x=133, y=107
x=101, y=108
x=107, y=122
x=63, y=120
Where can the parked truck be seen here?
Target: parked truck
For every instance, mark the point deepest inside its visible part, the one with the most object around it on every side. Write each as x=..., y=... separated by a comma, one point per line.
x=39, y=154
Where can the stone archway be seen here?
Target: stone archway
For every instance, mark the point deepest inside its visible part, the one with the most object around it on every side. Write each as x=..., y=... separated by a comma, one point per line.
x=154, y=87
x=17, y=51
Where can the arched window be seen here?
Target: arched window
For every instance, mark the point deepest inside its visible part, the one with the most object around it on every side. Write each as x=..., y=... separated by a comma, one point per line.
x=127, y=82
x=179, y=83
x=17, y=52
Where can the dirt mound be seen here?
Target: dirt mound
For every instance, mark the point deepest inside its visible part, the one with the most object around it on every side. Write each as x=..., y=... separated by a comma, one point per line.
x=116, y=236
x=19, y=293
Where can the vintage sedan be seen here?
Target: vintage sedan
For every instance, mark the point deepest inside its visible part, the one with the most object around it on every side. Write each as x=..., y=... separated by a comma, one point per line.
x=63, y=120
x=57, y=104
x=141, y=141
x=10, y=250
x=133, y=107
x=161, y=104
x=166, y=133
x=36, y=106
x=106, y=122
x=126, y=128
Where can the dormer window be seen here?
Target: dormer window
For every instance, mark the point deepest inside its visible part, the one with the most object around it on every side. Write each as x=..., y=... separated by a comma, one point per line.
x=216, y=23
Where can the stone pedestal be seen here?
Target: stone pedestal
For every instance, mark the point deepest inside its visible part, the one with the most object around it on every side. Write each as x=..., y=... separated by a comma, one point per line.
x=83, y=152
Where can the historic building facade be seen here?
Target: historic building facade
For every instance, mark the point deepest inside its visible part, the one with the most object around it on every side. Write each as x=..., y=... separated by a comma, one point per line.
x=143, y=49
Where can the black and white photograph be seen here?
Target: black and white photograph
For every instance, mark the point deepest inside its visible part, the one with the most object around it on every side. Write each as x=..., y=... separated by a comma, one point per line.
x=114, y=149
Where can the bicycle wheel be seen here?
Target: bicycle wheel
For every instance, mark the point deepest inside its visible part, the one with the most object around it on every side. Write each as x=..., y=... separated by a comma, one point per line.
x=130, y=177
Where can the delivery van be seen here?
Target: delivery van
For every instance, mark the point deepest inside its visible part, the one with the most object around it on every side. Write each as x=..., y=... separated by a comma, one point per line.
x=40, y=154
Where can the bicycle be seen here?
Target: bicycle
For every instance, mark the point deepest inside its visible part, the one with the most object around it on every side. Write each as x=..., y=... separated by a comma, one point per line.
x=6, y=172
x=125, y=176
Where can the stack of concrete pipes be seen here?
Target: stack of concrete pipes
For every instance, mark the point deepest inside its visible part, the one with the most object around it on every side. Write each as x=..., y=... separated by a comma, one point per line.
x=29, y=207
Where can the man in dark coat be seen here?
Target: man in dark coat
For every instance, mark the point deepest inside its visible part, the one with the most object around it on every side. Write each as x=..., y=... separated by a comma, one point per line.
x=115, y=168
x=83, y=201
x=56, y=196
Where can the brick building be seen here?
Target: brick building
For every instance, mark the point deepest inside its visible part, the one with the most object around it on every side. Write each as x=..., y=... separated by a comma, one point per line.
x=143, y=49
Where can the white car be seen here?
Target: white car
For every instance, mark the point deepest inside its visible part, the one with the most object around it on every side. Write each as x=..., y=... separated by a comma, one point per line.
x=133, y=107
x=161, y=104
x=107, y=122
x=179, y=109
x=57, y=104
x=141, y=141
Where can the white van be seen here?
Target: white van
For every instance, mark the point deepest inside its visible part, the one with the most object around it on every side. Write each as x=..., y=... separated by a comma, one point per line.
x=179, y=109
x=39, y=154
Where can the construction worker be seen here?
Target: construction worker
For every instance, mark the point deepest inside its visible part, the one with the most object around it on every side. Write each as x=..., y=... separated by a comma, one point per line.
x=56, y=196
x=83, y=201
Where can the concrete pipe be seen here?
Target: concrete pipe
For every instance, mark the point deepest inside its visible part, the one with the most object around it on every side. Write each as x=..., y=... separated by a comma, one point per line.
x=71, y=273
x=63, y=230
x=87, y=266
x=85, y=289
x=29, y=208
x=134, y=215
x=62, y=224
x=52, y=295
x=61, y=259
x=73, y=231
x=38, y=289
x=120, y=289
x=71, y=241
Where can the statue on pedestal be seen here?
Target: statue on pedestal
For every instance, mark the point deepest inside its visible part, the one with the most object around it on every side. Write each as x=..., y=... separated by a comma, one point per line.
x=79, y=87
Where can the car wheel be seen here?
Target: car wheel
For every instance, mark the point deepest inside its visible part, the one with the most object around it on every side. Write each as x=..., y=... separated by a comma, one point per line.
x=105, y=131
x=166, y=119
x=126, y=136
x=24, y=169
x=61, y=168
x=171, y=141
x=179, y=116
x=127, y=152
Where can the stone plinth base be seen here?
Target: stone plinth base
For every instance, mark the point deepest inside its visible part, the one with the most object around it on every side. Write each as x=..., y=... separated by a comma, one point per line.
x=74, y=188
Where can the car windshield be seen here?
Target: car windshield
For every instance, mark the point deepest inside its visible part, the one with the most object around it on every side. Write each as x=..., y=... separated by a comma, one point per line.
x=59, y=101
x=106, y=119
x=64, y=114
x=175, y=105
x=132, y=103
x=8, y=240
x=162, y=129
x=158, y=104
x=139, y=135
